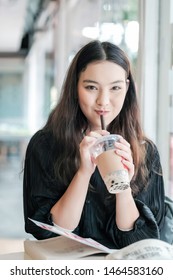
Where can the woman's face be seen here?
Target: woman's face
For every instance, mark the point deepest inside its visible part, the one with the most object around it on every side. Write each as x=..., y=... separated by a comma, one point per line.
x=102, y=88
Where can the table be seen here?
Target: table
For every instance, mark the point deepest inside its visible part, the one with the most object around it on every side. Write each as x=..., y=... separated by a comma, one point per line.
x=12, y=249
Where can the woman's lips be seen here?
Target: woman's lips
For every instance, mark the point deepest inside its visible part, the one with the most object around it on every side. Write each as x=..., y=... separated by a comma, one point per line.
x=101, y=112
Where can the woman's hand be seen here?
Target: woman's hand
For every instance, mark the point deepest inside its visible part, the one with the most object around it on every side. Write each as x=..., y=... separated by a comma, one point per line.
x=87, y=163
x=123, y=150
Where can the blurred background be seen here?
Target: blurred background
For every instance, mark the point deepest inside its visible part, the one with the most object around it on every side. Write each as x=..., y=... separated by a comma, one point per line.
x=38, y=39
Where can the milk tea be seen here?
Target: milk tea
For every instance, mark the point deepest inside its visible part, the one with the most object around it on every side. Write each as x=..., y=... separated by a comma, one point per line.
x=113, y=172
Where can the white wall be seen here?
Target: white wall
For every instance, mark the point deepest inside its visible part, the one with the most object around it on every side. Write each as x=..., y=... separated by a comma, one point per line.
x=154, y=77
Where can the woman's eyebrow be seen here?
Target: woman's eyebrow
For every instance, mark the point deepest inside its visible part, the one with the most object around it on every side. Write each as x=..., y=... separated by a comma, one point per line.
x=90, y=81
x=94, y=82
x=117, y=81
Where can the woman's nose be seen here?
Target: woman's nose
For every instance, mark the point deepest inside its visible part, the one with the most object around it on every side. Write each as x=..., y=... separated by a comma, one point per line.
x=103, y=98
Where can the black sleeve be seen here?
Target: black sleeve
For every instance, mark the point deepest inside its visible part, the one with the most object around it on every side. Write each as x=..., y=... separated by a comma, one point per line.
x=150, y=203
x=40, y=188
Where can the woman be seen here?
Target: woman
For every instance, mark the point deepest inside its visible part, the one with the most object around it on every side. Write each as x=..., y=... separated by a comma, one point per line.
x=62, y=184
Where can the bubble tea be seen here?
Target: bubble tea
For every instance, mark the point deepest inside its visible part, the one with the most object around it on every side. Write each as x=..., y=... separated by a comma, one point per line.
x=112, y=170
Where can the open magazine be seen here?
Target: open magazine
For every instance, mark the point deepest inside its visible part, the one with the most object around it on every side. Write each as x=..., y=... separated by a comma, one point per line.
x=68, y=234
x=71, y=246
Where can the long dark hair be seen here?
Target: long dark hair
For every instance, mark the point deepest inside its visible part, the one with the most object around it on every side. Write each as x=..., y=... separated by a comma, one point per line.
x=67, y=121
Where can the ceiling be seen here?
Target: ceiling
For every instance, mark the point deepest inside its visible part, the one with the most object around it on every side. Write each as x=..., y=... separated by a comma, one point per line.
x=17, y=21
x=20, y=20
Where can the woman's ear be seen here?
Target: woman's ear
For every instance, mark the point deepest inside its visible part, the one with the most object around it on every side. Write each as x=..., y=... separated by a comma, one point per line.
x=127, y=84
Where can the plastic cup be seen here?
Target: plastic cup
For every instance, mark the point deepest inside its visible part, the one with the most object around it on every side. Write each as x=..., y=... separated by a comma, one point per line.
x=112, y=170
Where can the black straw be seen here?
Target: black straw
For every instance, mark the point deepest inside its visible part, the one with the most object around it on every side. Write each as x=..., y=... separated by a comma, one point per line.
x=103, y=126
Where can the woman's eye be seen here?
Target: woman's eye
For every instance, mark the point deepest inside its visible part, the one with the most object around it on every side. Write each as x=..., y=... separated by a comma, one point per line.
x=116, y=88
x=90, y=87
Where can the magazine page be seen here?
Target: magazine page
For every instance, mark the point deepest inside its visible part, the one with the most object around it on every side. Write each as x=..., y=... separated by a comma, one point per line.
x=58, y=248
x=153, y=249
x=69, y=234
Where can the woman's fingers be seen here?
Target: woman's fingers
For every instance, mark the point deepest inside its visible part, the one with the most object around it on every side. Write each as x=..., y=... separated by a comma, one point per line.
x=126, y=154
x=122, y=149
x=130, y=166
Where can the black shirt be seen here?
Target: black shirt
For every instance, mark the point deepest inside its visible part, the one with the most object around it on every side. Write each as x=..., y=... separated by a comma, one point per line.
x=42, y=190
